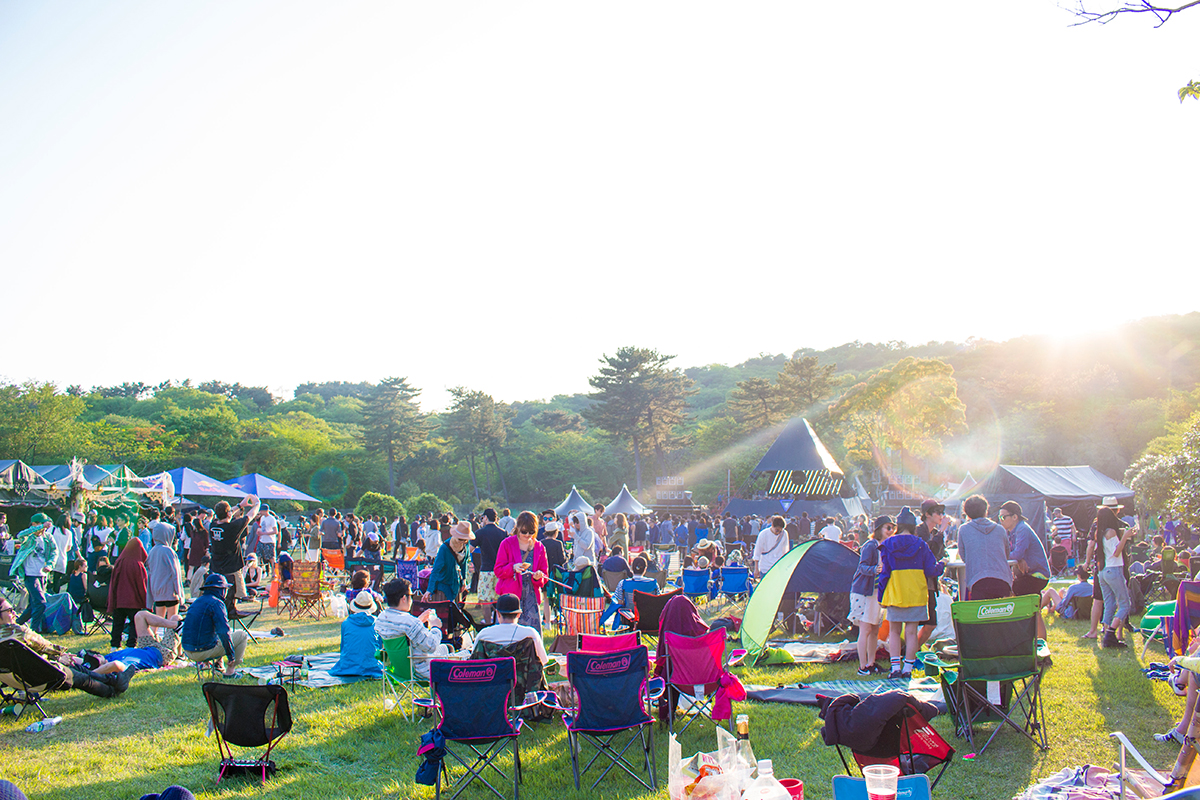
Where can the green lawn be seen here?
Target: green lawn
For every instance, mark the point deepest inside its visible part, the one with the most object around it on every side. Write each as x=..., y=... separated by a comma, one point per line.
x=344, y=745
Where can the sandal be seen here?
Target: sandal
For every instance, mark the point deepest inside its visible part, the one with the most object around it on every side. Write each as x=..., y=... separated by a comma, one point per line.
x=1088, y=636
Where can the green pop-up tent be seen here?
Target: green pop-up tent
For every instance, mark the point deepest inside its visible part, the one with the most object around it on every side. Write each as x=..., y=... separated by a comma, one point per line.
x=816, y=566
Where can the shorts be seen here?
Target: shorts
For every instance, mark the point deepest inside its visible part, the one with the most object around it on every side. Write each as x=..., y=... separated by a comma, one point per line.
x=865, y=608
x=487, y=587
x=1029, y=584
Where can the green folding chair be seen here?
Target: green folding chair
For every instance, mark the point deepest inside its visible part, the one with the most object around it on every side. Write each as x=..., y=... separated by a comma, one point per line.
x=1156, y=622
x=399, y=679
x=999, y=672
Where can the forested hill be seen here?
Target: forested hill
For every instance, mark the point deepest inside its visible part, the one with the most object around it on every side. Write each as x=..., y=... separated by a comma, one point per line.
x=947, y=407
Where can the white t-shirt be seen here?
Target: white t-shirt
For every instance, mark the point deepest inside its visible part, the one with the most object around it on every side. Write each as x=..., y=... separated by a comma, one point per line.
x=832, y=532
x=508, y=633
x=769, y=548
x=267, y=529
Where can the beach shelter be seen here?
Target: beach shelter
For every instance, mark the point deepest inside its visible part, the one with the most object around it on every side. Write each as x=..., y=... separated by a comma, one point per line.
x=625, y=503
x=190, y=483
x=813, y=567
x=268, y=489
x=574, y=502
x=1076, y=490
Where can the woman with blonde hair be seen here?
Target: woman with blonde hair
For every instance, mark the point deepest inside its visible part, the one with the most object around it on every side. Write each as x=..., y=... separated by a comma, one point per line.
x=619, y=535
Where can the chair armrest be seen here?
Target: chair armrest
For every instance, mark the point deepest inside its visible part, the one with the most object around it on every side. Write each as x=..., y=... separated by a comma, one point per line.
x=540, y=698
x=1127, y=746
x=425, y=702
x=655, y=687
x=550, y=700
x=736, y=657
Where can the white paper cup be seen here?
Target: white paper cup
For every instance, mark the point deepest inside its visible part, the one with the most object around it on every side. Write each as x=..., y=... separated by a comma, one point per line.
x=881, y=781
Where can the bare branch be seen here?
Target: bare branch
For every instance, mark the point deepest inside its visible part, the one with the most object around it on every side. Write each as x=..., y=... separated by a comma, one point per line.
x=1159, y=12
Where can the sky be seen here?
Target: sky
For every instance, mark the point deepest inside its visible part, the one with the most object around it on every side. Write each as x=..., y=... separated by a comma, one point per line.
x=496, y=195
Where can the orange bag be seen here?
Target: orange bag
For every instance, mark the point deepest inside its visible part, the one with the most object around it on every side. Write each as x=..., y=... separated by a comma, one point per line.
x=273, y=595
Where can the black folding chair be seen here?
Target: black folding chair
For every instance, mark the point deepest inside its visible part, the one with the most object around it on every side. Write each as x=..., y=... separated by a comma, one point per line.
x=647, y=612
x=248, y=716
x=474, y=704
x=906, y=741
x=96, y=599
x=614, y=699
x=246, y=619
x=26, y=677
x=454, y=618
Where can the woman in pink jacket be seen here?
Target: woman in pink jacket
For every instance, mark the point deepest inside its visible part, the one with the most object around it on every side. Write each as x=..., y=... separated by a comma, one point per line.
x=521, y=568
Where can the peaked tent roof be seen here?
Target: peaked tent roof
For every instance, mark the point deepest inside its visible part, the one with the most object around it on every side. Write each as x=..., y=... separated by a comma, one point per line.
x=268, y=489
x=14, y=471
x=189, y=482
x=802, y=464
x=574, y=502
x=625, y=503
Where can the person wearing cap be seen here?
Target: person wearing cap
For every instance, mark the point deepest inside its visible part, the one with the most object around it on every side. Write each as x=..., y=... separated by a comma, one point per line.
x=424, y=632
x=932, y=531
x=206, y=633
x=360, y=641
x=865, y=611
x=906, y=563
x=449, y=576
x=36, y=551
x=1032, y=570
x=508, y=631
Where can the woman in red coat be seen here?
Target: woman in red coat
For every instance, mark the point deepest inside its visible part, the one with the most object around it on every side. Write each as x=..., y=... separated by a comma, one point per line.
x=521, y=569
x=127, y=590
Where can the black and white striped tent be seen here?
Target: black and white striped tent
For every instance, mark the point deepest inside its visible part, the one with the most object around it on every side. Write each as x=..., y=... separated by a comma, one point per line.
x=801, y=467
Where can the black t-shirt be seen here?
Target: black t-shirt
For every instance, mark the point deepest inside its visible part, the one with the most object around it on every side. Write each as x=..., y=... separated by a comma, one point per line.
x=331, y=534
x=556, y=556
x=488, y=539
x=935, y=539
x=225, y=544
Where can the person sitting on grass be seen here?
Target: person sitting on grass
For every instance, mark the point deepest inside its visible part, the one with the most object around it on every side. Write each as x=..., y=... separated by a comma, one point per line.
x=1061, y=601
x=424, y=632
x=360, y=641
x=622, y=596
x=206, y=633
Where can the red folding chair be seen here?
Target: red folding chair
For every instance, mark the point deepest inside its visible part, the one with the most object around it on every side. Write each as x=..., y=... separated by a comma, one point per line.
x=695, y=669
x=607, y=644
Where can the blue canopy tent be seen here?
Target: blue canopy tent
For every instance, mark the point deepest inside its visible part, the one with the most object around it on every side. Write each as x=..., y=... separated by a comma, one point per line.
x=189, y=483
x=268, y=489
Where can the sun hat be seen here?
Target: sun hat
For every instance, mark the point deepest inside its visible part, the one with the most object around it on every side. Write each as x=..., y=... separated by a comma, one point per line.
x=703, y=544
x=582, y=561
x=552, y=526
x=215, y=582
x=364, y=602
x=1109, y=502
x=703, y=562
x=462, y=531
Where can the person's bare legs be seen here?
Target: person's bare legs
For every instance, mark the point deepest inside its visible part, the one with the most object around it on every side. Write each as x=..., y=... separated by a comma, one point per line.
x=1097, y=613
x=911, y=630
x=144, y=620
x=924, y=634
x=868, y=644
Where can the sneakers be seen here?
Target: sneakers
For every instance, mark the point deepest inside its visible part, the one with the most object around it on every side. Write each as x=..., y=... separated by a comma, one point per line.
x=865, y=671
x=896, y=674
x=1170, y=736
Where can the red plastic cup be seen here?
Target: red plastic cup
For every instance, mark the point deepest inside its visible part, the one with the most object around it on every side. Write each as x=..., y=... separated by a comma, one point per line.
x=795, y=787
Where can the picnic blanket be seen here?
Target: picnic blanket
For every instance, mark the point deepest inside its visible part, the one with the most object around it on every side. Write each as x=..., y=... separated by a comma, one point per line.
x=319, y=665
x=817, y=652
x=1075, y=783
x=928, y=690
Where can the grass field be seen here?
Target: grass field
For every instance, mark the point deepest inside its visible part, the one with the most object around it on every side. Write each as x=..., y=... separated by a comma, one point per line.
x=344, y=745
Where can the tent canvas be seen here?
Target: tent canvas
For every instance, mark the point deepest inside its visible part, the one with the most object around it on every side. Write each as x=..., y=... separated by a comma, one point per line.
x=189, y=482
x=574, y=502
x=831, y=506
x=763, y=508
x=1076, y=490
x=815, y=566
x=625, y=503
x=268, y=489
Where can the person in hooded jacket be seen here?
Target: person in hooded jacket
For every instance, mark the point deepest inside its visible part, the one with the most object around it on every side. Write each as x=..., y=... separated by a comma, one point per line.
x=360, y=641
x=983, y=548
x=127, y=590
x=905, y=564
x=164, y=579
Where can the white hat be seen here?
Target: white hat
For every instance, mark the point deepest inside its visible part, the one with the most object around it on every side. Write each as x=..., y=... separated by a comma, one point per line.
x=363, y=601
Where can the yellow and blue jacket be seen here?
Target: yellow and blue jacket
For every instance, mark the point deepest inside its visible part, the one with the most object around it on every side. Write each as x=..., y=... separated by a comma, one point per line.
x=906, y=560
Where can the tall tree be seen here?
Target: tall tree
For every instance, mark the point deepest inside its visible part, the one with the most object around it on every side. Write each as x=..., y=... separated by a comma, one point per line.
x=641, y=400
x=464, y=423
x=393, y=423
x=756, y=403
x=802, y=382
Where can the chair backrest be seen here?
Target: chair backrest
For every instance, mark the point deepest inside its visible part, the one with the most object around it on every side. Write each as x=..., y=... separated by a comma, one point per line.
x=1187, y=617
x=248, y=716
x=474, y=697
x=399, y=665
x=638, y=583
x=997, y=639
x=649, y=607
x=695, y=581
x=695, y=660
x=336, y=559
x=306, y=578
x=612, y=578
x=735, y=580
x=530, y=675
x=611, y=688
x=607, y=644
x=908, y=787
x=408, y=570
x=97, y=597
x=29, y=670
x=582, y=614
x=453, y=617
x=6, y=565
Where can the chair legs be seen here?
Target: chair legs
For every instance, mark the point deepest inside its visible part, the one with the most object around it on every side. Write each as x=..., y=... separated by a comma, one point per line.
x=605, y=746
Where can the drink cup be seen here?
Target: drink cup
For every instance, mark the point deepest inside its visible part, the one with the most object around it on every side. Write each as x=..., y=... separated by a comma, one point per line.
x=794, y=787
x=881, y=781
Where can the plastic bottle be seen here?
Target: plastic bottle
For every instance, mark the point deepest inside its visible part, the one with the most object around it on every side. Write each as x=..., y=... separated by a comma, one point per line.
x=743, y=726
x=42, y=724
x=765, y=786
x=11, y=711
x=303, y=668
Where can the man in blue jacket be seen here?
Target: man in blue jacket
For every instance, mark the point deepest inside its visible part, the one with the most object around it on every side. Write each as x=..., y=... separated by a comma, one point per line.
x=206, y=633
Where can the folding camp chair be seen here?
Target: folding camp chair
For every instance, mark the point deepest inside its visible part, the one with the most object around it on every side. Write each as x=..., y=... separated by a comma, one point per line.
x=246, y=619
x=612, y=578
x=736, y=587
x=910, y=787
x=1059, y=556
x=335, y=564
x=530, y=681
x=695, y=584
x=606, y=685
x=8, y=584
x=400, y=679
x=96, y=598
x=999, y=672
x=1173, y=622
x=647, y=612
x=26, y=677
x=474, y=702
x=580, y=615
x=694, y=668
x=607, y=644
x=247, y=716
x=906, y=741
x=308, y=600
x=454, y=618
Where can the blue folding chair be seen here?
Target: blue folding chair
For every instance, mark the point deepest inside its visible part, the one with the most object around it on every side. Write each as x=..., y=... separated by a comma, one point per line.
x=474, y=704
x=695, y=584
x=736, y=586
x=908, y=787
x=614, y=699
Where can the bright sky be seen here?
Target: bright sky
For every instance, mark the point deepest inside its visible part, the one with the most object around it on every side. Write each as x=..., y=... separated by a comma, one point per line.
x=495, y=194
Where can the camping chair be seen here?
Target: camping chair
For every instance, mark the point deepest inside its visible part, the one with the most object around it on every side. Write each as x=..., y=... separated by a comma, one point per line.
x=530, y=674
x=1156, y=623
x=245, y=620
x=997, y=650
x=335, y=563
x=612, y=578
x=454, y=618
x=96, y=598
x=1059, y=557
x=399, y=678
x=308, y=599
x=247, y=716
x=605, y=684
x=647, y=612
x=607, y=644
x=578, y=615
x=910, y=787
x=25, y=676
x=473, y=700
x=695, y=584
x=694, y=668
x=736, y=587
x=9, y=589
x=1173, y=622
x=285, y=600
x=906, y=741
x=831, y=612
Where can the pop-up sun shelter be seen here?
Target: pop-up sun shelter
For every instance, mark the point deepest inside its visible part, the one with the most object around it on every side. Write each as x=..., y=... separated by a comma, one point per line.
x=814, y=567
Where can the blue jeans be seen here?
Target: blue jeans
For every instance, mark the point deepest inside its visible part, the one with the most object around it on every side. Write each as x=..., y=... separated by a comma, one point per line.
x=1116, y=595
x=35, y=613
